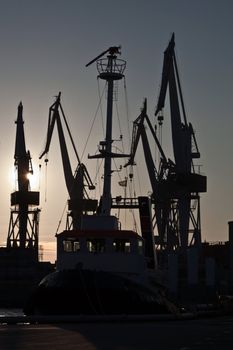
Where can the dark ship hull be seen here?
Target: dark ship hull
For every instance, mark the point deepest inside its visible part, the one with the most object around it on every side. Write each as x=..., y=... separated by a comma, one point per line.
x=78, y=292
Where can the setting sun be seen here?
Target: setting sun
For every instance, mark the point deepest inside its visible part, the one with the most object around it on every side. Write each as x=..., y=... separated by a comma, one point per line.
x=34, y=179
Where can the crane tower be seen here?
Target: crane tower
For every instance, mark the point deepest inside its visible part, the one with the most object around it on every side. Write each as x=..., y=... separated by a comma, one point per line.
x=24, y=219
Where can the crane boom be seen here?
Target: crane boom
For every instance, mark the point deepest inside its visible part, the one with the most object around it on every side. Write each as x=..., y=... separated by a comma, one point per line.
x=161, y=201
x=138, y=129
x=54, y=117
x=75, y=183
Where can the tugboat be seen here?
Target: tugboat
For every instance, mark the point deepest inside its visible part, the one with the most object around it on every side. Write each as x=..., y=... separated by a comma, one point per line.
x=101, y=268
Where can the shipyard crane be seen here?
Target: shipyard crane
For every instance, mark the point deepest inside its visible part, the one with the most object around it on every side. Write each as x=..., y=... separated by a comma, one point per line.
x=79, y=201
x=175, y=184
x=24, y=220
x=163, y=205
x=185, y=185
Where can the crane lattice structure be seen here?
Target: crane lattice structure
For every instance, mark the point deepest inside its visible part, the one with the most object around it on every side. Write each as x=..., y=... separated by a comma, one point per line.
x=24, y=220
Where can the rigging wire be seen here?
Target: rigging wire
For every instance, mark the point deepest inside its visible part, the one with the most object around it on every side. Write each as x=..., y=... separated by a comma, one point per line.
x=99, y=107
x=121, y=138
x=131, y=182
x=93, y=121
x=100, y=99
x=132, y=186
x=127, y=112
x=39, y=176
x=98, y=167
x=61, y=218
x=129, y=136
x=97, y=171
x=119, y=125
x=46, y=178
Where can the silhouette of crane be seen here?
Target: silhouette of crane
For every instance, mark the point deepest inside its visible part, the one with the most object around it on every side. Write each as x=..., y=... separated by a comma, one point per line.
x=185, y=184
x=175, y=184
x=24, y=220
x=79, y=201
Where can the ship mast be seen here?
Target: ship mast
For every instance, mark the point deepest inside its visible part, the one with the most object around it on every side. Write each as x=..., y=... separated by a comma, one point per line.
x=109, y=69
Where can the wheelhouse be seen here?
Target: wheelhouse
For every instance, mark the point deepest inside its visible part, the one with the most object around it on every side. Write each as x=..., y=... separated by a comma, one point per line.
x=110, y=250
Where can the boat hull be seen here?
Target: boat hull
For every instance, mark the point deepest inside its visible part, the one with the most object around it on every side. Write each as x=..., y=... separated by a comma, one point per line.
x=73, y=292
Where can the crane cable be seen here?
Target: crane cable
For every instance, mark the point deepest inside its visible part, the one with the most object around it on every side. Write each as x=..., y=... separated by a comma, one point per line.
x=46, y=182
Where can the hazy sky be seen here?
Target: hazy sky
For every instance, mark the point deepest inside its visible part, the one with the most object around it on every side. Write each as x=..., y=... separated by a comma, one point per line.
x=44, y=46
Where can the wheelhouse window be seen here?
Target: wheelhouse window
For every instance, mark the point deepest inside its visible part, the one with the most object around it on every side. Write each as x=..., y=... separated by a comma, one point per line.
x=96, y=245
x=140, y=247
x=67, y=245
x=121, y=245
x=76, y=246
x=71, y=246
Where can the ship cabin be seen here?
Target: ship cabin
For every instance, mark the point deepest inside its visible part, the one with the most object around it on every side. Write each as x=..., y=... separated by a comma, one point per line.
x=107, y=249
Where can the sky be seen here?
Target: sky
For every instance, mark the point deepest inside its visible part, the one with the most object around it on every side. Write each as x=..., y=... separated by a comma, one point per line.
x=44, y=47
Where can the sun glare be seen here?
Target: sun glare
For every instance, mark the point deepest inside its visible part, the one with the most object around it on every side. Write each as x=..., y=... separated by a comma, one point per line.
x=34, y=179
